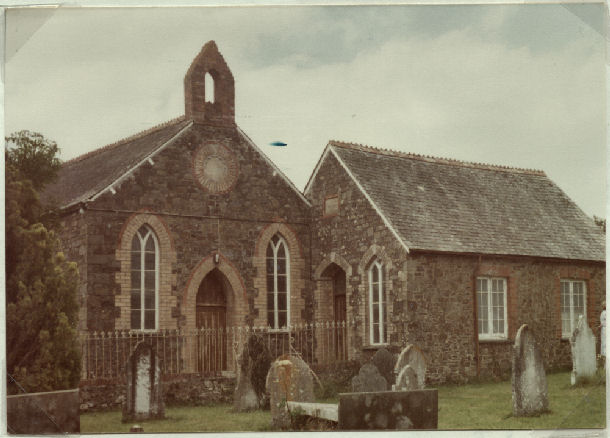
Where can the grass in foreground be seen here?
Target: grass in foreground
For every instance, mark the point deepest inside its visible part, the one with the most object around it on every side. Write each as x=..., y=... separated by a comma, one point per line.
x=473, y=406
x=489, y=406
x=182, y=419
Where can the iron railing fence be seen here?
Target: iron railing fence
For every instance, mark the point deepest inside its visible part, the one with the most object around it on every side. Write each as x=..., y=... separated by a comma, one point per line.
x=209, y=351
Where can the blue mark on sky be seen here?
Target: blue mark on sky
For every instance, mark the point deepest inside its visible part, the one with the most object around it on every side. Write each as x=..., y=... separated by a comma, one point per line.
x=277, y=143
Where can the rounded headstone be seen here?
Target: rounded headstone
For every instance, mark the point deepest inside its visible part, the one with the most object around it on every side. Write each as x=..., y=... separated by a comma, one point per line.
x=412, y=356
x=289, y=379
x=369, y=379
x=385, y=361
x=582, y=343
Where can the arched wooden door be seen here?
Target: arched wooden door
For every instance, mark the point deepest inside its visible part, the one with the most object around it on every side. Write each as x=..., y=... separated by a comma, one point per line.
x=211, y=321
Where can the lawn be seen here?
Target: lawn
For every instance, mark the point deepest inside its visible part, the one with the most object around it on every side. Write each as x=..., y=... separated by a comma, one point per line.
x=473, y=406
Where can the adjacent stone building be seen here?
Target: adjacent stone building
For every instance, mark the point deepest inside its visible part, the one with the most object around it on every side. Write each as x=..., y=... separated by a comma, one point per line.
x=190, y=225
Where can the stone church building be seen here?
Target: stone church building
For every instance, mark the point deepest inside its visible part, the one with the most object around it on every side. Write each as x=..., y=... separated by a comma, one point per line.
x=189, y=225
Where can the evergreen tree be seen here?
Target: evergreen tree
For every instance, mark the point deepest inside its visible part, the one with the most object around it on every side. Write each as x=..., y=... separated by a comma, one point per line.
x=41, y=306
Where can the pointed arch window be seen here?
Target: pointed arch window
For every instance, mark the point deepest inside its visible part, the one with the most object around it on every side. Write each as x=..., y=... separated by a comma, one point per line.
x=278, y=283
x=377, y=307
x=144, y=279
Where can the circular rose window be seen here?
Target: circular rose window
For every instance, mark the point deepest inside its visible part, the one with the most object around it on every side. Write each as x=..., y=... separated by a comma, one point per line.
x=215, y=168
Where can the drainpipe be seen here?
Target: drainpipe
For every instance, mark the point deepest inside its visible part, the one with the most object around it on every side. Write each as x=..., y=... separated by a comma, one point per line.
x=477, y=358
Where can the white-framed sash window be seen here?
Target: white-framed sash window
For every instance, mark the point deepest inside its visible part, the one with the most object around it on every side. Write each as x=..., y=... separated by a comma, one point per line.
x=573, y=304
x=491, y=308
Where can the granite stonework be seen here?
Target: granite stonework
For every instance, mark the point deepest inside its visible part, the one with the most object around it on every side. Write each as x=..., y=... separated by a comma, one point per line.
x=584, y=365
x=389, y=410
x=385, y=362
x=289, y=379
x=414, y=358
x=369, y=379
x=144, y=393
x=54, y=412
x=529, y=387
x=254, y=364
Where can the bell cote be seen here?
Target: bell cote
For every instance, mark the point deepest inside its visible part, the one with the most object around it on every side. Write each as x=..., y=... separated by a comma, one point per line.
x=209, y=89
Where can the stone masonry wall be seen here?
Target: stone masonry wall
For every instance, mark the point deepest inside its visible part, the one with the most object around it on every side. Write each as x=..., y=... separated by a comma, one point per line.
x=441, y=317
x=190, y=389
x=197, y=224
x=73, y=238
x=352, y=239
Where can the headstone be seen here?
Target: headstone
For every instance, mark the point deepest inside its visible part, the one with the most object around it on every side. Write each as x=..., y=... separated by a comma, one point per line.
x=529, y=387
x=582, y=342
x=412, y=356
x=369, y=379
x=144, y=398
x=385, y=361
x=407, y=380
x=289, y=379
x=253, y=366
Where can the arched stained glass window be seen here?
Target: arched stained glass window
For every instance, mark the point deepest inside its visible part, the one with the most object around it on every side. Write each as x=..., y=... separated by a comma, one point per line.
x=377, y=307
x=144, y=279
x=278, y=283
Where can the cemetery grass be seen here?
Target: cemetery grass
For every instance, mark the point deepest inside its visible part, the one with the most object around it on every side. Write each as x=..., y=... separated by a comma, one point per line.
x=489, y=406
x=472, y=406
x=219, y=418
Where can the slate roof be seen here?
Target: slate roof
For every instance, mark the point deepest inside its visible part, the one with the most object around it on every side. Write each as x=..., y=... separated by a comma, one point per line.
x=445, y=205
x=83, y=177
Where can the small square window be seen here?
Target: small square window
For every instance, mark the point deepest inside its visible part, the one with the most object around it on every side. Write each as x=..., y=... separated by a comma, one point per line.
x=331, y=205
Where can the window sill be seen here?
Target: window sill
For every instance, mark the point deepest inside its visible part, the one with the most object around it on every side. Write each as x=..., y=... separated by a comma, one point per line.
x=375, y=346
x=494, y=341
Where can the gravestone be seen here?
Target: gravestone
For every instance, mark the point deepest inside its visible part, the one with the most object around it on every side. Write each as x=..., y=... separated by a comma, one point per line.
x=385, y=361
x=369, y=379
x=412, y=356
x=407, y=380
x=253, y=366
x=144, y=398
x=289, y=379
x=582, y=342
x=529, y=387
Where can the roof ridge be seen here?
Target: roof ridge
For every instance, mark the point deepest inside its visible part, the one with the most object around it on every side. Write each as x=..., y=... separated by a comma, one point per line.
x=432, y=159
x=125, y=140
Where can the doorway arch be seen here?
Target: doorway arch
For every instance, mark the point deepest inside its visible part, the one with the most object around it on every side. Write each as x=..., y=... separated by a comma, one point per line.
x=211, y=322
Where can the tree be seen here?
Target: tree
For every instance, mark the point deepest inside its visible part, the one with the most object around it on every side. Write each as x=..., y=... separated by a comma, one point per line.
x=41, y=306
x=33, y=157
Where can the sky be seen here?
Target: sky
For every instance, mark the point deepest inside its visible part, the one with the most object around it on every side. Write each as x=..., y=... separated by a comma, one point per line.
x=515, y=85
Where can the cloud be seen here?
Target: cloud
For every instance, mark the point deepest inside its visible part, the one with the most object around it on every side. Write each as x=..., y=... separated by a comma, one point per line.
x=472, y=83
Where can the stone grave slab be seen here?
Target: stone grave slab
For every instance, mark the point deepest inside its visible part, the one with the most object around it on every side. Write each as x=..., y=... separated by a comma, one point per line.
x=389, y=410
x=369, y=379
x=144, y=397
x=412, y=356
x=529, y=386
x=584, y=363
x=289, y=379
